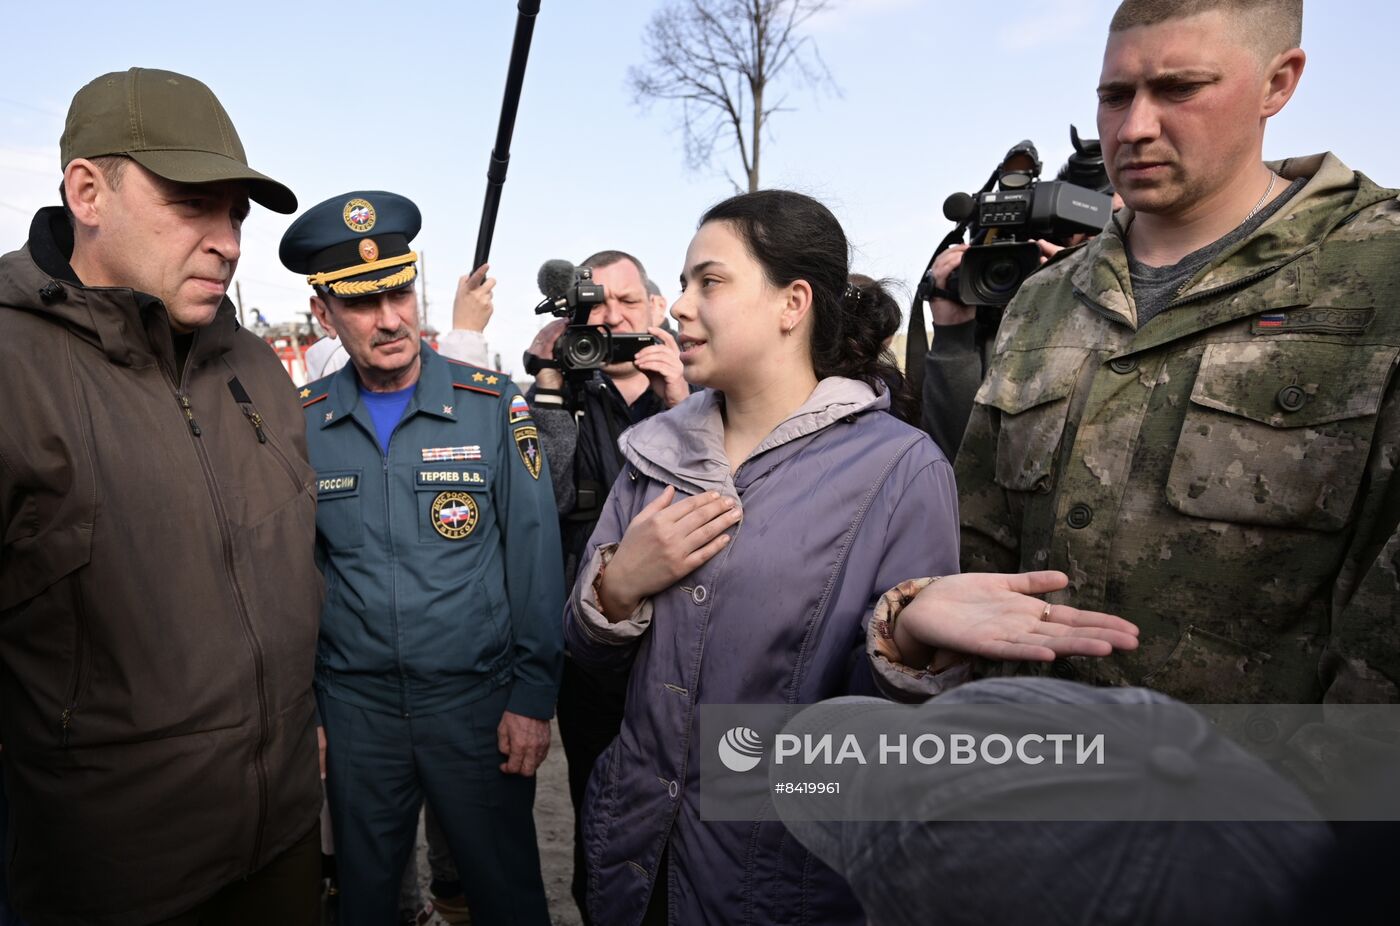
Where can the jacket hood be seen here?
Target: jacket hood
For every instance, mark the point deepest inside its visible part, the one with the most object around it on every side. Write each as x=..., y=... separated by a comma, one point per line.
x=1333, y=194
x=684, y=446
x=130, y=327
x=38, y=277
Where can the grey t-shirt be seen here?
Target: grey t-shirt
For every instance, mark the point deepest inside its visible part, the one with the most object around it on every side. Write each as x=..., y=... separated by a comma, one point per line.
x=1155, y=287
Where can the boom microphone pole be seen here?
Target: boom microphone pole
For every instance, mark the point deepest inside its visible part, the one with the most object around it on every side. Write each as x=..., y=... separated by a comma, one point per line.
x=500, y=154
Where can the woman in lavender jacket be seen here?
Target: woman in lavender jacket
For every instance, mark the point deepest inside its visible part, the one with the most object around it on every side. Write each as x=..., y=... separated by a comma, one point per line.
x=740, y=554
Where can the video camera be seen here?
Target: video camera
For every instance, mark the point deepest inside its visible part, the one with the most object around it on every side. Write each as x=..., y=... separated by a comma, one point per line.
x=1004, y=222
x=569, y=292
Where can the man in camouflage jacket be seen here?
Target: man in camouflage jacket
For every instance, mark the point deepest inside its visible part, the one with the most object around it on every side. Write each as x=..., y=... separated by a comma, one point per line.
x=1221, y=474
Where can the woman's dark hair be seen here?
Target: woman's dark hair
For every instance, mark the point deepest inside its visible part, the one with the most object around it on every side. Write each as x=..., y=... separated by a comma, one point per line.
x=794, y=237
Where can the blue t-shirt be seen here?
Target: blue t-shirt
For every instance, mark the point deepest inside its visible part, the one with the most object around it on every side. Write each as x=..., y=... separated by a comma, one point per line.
x=386, y=410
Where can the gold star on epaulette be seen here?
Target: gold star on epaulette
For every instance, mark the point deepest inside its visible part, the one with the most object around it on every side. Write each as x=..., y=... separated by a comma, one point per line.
x=492, y=380
x=305, y=393
x=478, y=377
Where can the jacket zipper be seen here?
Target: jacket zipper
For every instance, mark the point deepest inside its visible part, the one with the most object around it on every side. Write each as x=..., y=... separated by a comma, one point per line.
x=185, y=406
x=393, y=556
x=221, y=517
x=1177, y=300
x=256, y=420
x=245, y=404
x=393, y=579
x=1228, y=287
x=80, y=658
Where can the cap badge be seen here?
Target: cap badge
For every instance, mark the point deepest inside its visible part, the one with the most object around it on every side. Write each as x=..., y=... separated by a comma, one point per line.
x=369, y=251
x=359, y=215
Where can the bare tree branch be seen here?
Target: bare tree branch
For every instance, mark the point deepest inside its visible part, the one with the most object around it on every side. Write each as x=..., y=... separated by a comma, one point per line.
x=721, y=61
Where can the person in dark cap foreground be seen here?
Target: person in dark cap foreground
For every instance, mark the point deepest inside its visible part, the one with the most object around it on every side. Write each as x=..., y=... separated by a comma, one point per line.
x=441, y=645
x=948, y=837
x=158, y=593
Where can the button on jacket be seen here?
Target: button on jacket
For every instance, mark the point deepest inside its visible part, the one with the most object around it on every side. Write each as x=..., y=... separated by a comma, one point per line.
x=441, y=558
x=1224, y=475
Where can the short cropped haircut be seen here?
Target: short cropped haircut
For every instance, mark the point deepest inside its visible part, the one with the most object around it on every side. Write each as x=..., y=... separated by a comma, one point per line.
x=1273, y=26
x=111, y=165
x=608, y=258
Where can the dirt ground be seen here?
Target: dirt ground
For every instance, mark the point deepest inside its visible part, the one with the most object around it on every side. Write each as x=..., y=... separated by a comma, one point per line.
x=554, y=826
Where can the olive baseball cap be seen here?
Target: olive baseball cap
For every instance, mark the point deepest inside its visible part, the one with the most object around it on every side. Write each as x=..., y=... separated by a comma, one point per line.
x=170, y=124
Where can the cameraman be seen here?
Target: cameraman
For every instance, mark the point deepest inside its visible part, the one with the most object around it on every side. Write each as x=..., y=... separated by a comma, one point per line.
x=581, y=446
x=962, y=343
x=957, y=357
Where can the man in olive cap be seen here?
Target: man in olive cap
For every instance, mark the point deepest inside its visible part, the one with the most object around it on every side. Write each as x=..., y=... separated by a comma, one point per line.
x=158, y=592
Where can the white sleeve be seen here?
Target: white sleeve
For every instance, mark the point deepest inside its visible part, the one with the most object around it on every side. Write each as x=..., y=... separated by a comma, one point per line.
x=466, y=346
x=325, y=357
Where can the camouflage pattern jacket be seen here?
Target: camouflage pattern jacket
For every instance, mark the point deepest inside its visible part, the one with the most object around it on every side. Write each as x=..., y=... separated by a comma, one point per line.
x=1223, y=476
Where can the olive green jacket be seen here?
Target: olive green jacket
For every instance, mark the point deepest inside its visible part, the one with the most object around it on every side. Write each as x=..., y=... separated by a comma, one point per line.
x=158, y=600
x=1224, y=476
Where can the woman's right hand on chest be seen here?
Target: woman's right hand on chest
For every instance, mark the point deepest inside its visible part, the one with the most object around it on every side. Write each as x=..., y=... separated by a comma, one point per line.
x=664, y=543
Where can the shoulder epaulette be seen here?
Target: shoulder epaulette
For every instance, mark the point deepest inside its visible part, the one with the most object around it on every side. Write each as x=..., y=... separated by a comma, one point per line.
x=315, y=391
x=477, y=379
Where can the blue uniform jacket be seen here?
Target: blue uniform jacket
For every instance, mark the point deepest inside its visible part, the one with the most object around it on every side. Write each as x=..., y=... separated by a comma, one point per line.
x=441, y=559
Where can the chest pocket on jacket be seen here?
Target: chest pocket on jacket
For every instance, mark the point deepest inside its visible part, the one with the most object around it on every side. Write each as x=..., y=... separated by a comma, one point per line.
x=1032, y=391
x=49, y=533
x=340, y=517
x=36, y=555
x=1278, y=433
x=453, y=499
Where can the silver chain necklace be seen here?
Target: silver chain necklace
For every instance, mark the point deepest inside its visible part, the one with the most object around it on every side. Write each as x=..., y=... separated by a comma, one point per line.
x=1273, y=178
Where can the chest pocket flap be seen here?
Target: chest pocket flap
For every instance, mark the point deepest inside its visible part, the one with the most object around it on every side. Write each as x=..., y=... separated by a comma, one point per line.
x=41, y=555
x=1279, y=432
x=49, y=533
x=340, y=517
x=1032, y=390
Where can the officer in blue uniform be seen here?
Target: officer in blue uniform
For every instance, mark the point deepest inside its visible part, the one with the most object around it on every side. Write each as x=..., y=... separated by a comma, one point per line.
x=441, y=639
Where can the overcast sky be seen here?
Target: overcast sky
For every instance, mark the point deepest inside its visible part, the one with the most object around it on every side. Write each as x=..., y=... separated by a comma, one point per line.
x=332, y=97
